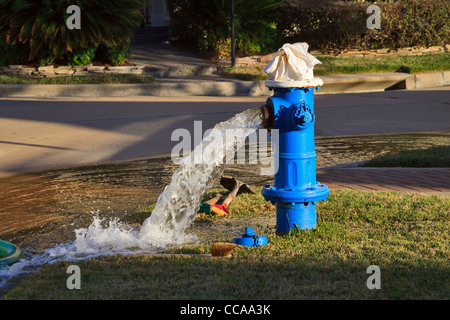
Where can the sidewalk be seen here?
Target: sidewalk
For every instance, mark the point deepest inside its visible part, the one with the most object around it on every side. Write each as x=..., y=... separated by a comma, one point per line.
x=163, y=60
x=412, y=180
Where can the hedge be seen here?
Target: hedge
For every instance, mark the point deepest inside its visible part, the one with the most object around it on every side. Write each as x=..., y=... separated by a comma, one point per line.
x=324, y=24
x=35, y=31
x=328, y=24
x=205, y=25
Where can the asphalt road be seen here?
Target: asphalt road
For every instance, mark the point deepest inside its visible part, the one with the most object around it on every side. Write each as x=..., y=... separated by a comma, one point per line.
x=46, y=134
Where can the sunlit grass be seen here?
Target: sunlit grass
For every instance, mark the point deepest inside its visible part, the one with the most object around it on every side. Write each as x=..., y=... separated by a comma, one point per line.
x=438, y=157
x=354, y=65
x=87, y=79
x=406, y=235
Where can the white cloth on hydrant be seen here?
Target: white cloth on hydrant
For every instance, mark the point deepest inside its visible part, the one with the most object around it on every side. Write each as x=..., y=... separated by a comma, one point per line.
x=295, y=65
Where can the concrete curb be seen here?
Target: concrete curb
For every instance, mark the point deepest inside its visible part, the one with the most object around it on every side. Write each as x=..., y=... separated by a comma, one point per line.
x=383, y=81
x=333, y=84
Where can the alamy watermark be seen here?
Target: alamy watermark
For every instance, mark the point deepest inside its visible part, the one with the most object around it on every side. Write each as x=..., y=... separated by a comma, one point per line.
x=220, y=147
x=74, y=280
x=374, y=280
x=74, y=20
x=374, y=20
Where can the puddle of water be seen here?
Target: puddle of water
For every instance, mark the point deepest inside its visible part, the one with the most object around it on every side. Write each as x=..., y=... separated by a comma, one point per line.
x=175, y=209
x=41, y=211
x=349, y=151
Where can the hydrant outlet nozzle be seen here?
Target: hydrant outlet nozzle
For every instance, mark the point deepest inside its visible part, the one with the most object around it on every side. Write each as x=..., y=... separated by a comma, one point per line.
x=267, y=111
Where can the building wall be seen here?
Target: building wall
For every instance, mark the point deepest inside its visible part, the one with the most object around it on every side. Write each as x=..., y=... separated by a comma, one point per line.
x=156, y=14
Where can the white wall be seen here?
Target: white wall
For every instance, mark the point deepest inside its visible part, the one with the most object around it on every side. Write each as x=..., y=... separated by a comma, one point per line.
x=157, y=9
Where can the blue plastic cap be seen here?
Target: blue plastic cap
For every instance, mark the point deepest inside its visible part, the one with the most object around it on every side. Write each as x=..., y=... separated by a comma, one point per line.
x=249, y=232
x=250, y=239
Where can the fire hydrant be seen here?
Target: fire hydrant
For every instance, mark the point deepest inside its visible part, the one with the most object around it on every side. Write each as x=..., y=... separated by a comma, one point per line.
x=295, y=190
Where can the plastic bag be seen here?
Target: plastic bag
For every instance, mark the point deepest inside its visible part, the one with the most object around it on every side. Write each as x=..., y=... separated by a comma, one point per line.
x=295, y=65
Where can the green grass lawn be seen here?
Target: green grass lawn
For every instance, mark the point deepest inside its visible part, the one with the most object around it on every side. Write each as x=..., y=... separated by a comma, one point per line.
x=87, y=79
x=432, y=157
x=405, y=235
x=352, y=65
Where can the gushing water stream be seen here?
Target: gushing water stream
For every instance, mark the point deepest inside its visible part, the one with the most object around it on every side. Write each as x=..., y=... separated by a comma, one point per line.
x=178, y=204
x=175, y=209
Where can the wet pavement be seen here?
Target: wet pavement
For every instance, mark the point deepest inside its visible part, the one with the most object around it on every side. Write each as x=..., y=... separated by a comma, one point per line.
x=43, y=209
x=46, y=134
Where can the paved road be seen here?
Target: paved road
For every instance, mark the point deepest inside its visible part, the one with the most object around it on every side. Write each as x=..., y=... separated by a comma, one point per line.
x=57, y=133
x=383, y=112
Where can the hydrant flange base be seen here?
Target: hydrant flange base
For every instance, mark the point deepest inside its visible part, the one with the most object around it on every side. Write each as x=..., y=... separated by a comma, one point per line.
x=318, y=193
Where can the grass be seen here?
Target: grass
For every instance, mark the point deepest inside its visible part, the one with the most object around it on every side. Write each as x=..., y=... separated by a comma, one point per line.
x=353, y=65
x=87, y=79
x=249, y=73
x=431, y=157
x=406, y=235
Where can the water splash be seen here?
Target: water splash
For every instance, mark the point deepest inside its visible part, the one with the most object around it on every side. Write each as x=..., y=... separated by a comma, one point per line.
x=178, y=204
x=175, y=209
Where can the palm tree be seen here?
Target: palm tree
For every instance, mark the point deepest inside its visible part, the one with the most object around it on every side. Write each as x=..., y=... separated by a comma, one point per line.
x=41, y=24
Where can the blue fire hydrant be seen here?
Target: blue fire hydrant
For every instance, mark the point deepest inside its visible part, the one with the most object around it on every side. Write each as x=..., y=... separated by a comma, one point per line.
x=295, y=190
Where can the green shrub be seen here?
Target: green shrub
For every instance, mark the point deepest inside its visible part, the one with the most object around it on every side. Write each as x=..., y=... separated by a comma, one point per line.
x=41, y=24
x=416, y=23
x=119, y=54
x=45, y=58
x=265, y=25
x=322, y=24
x=328, y=24
x=206, y=24
x=114, y=55
x=12, y=54
x=81, y=57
